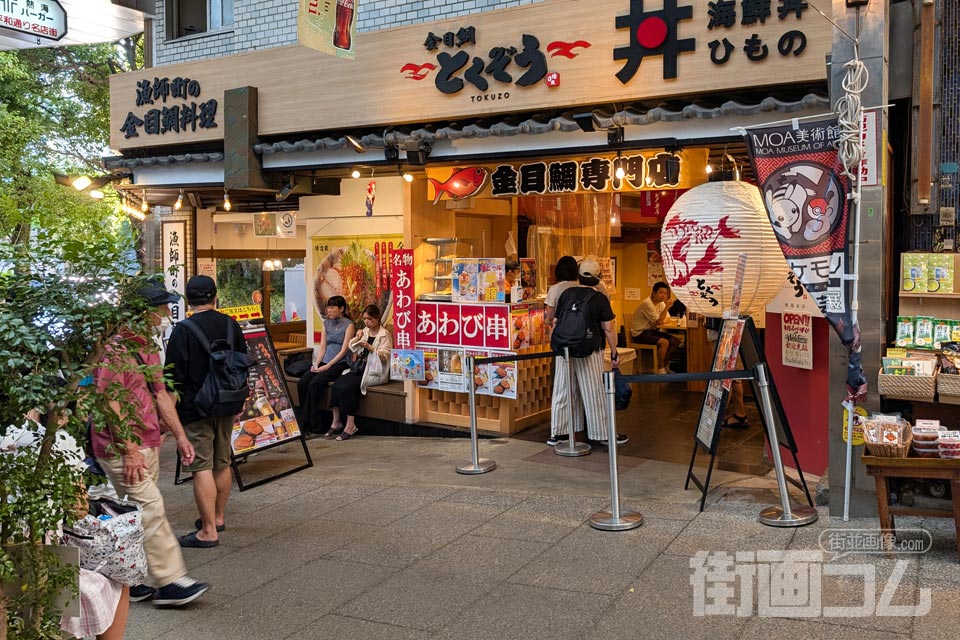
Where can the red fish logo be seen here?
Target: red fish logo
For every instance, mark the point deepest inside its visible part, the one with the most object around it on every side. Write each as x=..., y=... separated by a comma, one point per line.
x=417, y=71
x=565, y=49
x=464, y=183
x=688, y=238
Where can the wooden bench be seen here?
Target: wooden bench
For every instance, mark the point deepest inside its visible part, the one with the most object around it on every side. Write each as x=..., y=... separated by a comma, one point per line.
x=882, y=469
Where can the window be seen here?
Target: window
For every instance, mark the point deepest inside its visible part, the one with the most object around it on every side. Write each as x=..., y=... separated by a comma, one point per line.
x=187, y=17
x=241, y=283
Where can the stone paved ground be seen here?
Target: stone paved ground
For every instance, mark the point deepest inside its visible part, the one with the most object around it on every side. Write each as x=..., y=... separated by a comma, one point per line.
x=382, y=539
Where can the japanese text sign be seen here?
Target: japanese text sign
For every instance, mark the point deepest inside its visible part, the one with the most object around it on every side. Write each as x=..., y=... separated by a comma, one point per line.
x=401, y=291
x=39, y=19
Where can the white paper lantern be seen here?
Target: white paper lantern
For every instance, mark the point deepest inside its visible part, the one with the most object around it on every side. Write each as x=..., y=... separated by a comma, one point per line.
x=707, y=228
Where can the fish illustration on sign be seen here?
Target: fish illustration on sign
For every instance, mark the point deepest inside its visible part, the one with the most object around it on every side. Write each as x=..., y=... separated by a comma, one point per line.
x=464, y=183
x=692, y=239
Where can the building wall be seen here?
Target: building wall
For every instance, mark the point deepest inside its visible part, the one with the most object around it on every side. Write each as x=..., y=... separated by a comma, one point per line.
x=262, y=24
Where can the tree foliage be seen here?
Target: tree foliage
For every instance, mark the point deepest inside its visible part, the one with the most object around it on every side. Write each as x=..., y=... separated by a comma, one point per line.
x=67, y=288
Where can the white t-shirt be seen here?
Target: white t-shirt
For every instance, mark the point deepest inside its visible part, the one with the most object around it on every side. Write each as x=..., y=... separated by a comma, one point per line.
x=555, y=290
x=646, y=316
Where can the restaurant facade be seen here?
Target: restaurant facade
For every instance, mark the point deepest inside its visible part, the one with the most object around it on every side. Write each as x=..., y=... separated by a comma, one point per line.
x=457, y=142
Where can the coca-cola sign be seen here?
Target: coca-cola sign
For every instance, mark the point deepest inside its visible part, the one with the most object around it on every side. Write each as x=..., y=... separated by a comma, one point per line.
x=328, y=26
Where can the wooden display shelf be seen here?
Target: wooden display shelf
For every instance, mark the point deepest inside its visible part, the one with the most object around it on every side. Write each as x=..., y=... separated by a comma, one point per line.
x=928, y=294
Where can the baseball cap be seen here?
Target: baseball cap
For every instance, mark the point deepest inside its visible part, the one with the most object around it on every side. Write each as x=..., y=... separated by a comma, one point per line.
x=156, y=295
x=589, y=268
x=201, y=289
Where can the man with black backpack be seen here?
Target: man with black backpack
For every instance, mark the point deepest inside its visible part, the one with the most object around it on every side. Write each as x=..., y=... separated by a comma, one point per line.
x=584, y=322
x=207, y=354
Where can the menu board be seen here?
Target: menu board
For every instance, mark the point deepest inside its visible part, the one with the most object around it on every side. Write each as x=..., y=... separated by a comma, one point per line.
x=491, y=280
x=528, y=278
x=724, y=359
x=464, y=273
x=452, y=375
x=267, y=415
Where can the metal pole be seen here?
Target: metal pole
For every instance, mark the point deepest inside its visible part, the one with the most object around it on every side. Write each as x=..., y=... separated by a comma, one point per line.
x=572, y=448
x=782, y=516
x=614, y=520
x=851, y=406
x=477, y=464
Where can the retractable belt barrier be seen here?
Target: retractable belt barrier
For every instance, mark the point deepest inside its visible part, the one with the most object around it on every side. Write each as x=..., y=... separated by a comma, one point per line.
x=478, y=465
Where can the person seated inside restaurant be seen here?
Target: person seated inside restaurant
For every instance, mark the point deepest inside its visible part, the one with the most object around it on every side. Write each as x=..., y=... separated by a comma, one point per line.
x=644, y=327
x=369, y=366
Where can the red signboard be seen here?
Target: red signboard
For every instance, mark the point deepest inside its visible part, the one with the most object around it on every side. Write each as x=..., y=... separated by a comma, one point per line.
x=401, y=289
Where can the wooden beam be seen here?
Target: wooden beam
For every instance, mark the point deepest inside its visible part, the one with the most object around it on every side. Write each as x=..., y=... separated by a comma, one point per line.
x=928, y=18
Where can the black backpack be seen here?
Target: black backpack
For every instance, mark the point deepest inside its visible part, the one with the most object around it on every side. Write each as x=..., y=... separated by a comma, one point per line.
x=224, y=391
x=574, y=329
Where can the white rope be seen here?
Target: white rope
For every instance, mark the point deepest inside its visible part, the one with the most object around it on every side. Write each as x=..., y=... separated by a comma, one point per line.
x=850, y=115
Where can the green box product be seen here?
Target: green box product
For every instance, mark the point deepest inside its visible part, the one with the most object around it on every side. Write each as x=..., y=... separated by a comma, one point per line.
x=905, y=331
x=940, y=272
x=923, y=333
x=941, y=332
x=914, y=272
x=955, y=331
x=890, y=363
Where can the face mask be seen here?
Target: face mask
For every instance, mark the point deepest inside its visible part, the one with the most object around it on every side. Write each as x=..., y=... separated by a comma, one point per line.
x=163, y=328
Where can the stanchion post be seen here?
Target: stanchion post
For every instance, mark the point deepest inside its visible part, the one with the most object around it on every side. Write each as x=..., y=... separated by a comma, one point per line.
x=784, y=515
x=477, y=464
x=614, y=519
x=572, y=448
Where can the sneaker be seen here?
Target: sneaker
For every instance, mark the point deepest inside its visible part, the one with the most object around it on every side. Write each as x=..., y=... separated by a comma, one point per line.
x=141, y=592
x=179, y=592
x=621, y=439
x=553, y=440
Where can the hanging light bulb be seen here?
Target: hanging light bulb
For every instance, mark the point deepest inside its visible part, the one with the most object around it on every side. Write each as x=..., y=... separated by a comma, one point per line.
x=144, y=205
x=179, y=203
x=709, y=169
x=226, y=201
x=620, y=173
x=356, y=173
x=408, y=177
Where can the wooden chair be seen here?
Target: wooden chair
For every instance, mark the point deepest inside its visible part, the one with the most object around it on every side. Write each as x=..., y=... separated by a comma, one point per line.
x=641, y=349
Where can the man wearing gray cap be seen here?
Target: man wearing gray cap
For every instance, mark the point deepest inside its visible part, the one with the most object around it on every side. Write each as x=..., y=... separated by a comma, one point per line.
x=210, y=435
x=135, y=472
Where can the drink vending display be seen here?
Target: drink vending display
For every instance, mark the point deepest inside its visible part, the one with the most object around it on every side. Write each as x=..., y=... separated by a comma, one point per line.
x=343, y=26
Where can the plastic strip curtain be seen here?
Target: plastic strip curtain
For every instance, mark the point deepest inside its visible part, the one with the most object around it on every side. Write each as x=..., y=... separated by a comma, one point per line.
x=568, y=225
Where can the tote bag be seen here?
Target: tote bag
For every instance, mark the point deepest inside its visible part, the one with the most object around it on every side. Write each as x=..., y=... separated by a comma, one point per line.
x=110, y=539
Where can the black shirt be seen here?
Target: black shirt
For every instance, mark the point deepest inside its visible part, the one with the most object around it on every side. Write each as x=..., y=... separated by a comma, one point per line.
x=189, y=361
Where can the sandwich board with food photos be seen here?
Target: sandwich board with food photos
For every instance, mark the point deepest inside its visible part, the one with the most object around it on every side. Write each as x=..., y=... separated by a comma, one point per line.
x=739, y=338
x=267, y=420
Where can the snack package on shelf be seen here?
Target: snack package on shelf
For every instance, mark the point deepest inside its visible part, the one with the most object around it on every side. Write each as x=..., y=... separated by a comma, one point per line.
x=950, y=358
x=923, y=332
x=941, y=332
x=887, y=436
x=949, y=445
x=905, y=326
x=914, y=272
x=940, y=273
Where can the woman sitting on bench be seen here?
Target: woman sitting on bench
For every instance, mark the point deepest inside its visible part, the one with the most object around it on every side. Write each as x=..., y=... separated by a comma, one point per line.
x=370, y=366
x=338, y=331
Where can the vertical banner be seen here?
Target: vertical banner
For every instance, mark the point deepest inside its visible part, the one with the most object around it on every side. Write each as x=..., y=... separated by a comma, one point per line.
x=401, y=291
x=174, y=265
x=328, y=26
x=805, y=192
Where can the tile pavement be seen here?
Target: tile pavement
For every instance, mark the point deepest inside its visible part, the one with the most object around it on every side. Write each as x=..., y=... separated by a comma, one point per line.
x=340, y=552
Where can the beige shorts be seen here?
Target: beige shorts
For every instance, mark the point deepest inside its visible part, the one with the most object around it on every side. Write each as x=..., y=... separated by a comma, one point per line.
x=210, y=438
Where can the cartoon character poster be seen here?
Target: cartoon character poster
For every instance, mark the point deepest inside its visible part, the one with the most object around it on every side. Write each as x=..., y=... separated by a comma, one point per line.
x=802, y=181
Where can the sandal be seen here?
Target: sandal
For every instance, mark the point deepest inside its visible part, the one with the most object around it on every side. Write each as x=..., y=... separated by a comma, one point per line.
x=333, y=432
x=736, y=422
x=198, y=524
x=346, y=436
x=191, y=540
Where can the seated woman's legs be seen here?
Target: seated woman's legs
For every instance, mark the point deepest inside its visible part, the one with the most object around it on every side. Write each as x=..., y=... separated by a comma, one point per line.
x=345, y=398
